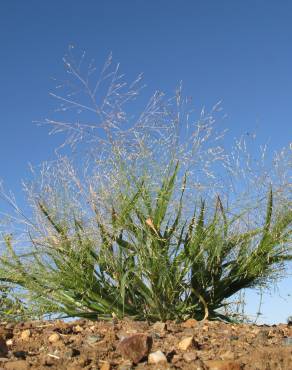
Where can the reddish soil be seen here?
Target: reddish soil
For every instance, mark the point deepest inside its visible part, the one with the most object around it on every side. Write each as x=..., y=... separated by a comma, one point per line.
x=97, y=345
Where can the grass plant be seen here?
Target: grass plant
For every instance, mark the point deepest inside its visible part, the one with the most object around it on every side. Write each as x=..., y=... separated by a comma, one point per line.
x=146, y=263
x=150, y=229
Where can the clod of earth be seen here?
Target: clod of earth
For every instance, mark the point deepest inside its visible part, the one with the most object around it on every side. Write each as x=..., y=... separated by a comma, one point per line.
x=135, y=347
x=190, y=323
x=186, y=343
x=159, y=326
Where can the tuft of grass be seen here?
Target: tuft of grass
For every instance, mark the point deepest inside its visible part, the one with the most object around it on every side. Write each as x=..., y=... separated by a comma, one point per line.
x=145, y=214
x=146, y=260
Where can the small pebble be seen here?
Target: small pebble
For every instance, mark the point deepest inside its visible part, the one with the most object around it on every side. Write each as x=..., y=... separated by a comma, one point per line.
x=159, y=326
x=78, y=329
x=186, y=343
x=157, y=358
x=104, y=365
x=175, y=359
x=25, y=335
x=190, y=356
x=53, y=338
x=189, y=324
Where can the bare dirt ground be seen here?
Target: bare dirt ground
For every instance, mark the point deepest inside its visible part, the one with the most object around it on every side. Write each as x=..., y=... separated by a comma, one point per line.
x=128, y=345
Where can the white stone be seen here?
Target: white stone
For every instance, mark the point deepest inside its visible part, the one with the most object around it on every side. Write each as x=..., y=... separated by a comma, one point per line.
x=157, y=357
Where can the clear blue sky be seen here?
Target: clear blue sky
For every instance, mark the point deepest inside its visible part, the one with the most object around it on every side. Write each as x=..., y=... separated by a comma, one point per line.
x=237, y=51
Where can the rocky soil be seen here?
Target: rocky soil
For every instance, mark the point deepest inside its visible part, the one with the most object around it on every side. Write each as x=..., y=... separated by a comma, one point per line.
x=128, y=345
